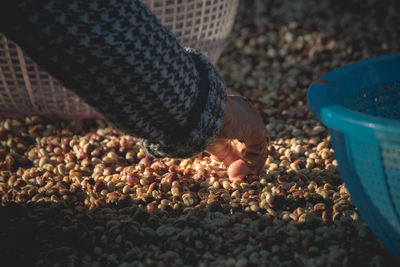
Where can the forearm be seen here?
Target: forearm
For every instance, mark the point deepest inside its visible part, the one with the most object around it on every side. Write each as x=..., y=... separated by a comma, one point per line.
x=127, y=66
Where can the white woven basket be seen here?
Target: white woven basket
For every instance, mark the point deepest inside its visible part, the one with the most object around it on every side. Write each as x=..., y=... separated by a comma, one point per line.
x=26, y=89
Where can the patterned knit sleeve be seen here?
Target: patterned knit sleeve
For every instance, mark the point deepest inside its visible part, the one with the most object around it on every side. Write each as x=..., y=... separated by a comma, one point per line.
x=121, y=61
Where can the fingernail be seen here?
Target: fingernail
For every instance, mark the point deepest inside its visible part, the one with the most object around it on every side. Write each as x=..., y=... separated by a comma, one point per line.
x=238, y=169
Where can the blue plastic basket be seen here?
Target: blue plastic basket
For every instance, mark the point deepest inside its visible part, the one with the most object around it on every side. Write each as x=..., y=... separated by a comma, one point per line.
x=360, y=104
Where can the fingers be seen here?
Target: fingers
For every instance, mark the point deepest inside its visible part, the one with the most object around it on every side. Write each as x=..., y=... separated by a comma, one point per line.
x=238, y=170
x=255, y=157
x=256, y=153
x=240, y=164
x=223, y=151
x=251, y=161
x=242, y=122
x=258, y=149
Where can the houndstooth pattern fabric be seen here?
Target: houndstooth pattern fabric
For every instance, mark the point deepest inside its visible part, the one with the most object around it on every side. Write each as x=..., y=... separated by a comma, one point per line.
x=121, y=61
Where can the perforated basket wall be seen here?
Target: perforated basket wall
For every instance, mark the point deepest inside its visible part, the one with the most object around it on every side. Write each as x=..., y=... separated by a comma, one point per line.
x=360, y=104
x=26, y=89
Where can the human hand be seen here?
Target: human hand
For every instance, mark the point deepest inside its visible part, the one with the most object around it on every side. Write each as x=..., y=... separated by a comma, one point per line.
x=244, y=123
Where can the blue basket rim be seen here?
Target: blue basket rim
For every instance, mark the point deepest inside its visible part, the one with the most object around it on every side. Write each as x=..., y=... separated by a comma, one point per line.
x=339, y=117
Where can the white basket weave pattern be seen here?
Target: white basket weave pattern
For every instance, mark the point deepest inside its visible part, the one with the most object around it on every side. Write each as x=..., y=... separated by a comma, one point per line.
x=26, y=89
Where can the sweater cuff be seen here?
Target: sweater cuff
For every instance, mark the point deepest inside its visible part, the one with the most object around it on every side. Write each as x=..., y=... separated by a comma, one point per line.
x=206, y=118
